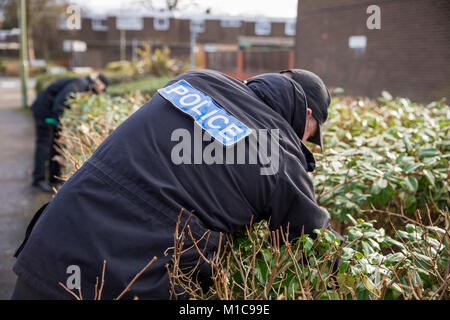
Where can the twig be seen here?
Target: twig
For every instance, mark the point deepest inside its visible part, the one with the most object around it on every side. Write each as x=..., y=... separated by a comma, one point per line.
x=95, y=288
x=68, y=290
x=103, y=281
x=136, y=277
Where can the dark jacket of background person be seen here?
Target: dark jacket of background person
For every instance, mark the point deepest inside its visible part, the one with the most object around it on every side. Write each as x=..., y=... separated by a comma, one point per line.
x=50, y=104
x=122, y=205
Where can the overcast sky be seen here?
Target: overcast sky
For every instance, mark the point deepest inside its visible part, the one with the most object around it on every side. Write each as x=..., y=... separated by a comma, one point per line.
x=270, y=8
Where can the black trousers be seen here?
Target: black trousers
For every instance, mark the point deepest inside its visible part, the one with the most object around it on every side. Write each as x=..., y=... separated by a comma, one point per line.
x=46, y=148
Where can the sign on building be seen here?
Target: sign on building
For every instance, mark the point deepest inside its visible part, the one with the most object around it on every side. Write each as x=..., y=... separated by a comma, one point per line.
x=357, y=42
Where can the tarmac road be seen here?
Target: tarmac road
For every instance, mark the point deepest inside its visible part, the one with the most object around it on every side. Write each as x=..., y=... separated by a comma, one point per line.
x=18, y=200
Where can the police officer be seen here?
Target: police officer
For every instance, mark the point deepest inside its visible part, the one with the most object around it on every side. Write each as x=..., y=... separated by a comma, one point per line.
x=192, y=147
x=47, y=110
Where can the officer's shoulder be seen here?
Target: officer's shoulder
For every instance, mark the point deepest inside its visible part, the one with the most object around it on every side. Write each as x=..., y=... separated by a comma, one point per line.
x=81, y=80
x=80, y=83
x=196, y=72
x=200, y=74
x=57, y=85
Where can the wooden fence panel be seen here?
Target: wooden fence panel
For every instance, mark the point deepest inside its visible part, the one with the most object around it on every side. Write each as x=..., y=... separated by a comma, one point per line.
x=265, y=61
x=222, y=60
x=243, y=64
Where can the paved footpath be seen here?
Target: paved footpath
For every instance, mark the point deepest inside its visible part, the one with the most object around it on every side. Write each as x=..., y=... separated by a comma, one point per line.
x=18, y=201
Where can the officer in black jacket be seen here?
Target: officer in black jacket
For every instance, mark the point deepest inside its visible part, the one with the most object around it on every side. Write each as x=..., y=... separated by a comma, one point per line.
x=47, y=110
x=201, y=144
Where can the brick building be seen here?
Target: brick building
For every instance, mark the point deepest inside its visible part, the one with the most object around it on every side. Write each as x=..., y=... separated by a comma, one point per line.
x=409, y=56
x=102, y=36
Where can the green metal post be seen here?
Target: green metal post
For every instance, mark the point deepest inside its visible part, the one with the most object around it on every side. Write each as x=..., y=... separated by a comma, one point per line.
x=123, y=45
x=23, y=51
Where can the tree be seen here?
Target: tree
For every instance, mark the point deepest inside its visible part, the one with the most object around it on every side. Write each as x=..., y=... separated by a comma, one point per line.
x=170, y=5
x=42, y=19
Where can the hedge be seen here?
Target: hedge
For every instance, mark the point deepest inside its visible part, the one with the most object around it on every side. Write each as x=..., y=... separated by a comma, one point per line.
x=382, y=178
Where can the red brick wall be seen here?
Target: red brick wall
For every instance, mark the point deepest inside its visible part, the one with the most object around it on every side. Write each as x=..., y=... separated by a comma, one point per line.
x=104, y=46
x=409, y=56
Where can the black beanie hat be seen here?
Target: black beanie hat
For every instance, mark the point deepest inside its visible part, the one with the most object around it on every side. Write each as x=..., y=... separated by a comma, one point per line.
x=318, y=98
x=103, y=79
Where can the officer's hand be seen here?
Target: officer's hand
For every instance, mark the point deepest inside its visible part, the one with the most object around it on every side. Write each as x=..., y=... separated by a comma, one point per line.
x=52, y=121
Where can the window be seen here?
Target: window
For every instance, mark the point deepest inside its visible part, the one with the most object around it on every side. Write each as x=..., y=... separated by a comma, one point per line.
x=129, y=23
x=230, y=23
x=197, y=25
x=99, y=24
x=74, y=46
x=262, y=28
x=290, y=28
x=161, y=23
x=4, y=34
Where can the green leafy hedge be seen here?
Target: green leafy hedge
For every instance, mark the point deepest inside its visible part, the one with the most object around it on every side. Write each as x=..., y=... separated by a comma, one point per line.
x=258, y=264
x=391, y=155
x=383, y=178
x=145, y=86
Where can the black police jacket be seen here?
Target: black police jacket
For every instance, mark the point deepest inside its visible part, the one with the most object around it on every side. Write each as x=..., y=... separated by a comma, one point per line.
x=122, y=205
x=50, y=103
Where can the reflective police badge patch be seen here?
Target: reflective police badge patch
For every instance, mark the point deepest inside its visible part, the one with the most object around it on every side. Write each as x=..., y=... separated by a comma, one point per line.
x=222, y=126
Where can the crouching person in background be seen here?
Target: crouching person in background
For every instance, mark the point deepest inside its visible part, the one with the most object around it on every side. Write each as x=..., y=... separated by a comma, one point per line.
x=47, y=109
